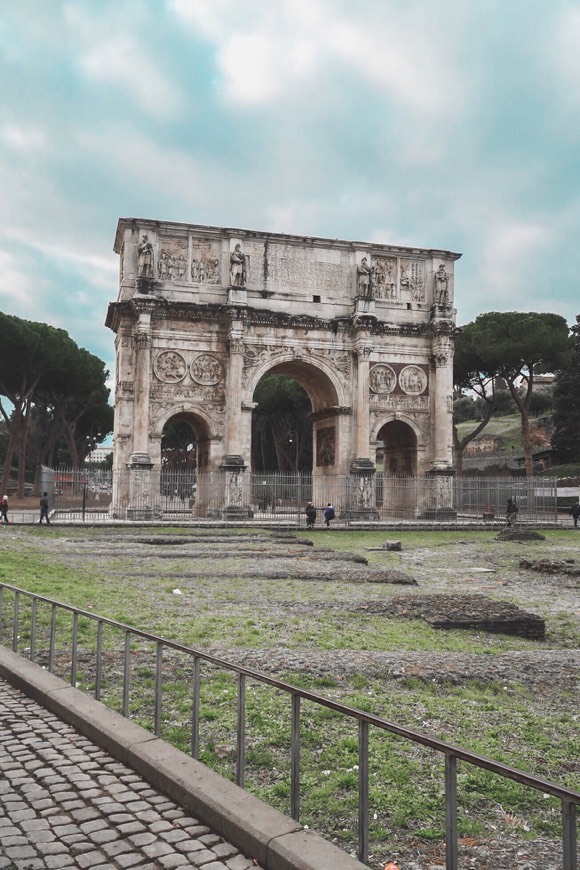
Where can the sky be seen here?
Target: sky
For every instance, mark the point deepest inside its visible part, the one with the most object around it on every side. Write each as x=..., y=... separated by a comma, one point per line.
x=445, y=124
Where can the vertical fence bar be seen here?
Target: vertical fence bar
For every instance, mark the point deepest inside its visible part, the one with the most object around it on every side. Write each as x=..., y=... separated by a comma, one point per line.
x=99, y=663
x=33, y=630
x=73, y=664
x=195, y=709
x=158, y=687
x=126, y=671
x=52, y=639
x=15, y=621
x=295, y=759
x=241, y=731
x=1, y=610
x=570, y=859
x=363, y=791
x=450, y=812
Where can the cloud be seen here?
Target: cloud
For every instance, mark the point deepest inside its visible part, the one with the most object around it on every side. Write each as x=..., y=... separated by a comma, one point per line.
x=16, y=286
x=264, y=57
x=110, y=53
x=21, y=138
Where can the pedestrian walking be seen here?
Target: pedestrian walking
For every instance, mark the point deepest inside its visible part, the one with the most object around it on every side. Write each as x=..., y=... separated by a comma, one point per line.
x=4, y=509
x=44, y=508
x=511, y=512
x=575, y=513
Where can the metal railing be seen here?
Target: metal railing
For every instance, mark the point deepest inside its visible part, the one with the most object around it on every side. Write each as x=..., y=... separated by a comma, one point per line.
x=190, y=497
x=27, y=605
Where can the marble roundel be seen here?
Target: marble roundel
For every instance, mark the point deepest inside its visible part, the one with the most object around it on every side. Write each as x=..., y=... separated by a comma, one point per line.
x=382, y=379
x=413, y=380
x=206, y=370
x=170, y=367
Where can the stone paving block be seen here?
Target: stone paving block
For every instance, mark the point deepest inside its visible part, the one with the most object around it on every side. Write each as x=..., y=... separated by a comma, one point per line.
x=198, y=859
x=223, y=850
x=240, y=862
x=131, y=859
x=157, y=849
x=91, y=859
x=143, y=839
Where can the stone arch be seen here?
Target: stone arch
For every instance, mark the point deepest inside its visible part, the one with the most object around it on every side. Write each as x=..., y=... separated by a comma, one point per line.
x=201, y=424
x=400, y=441
x=331, y=420
x=297, y=307
x=317, y=377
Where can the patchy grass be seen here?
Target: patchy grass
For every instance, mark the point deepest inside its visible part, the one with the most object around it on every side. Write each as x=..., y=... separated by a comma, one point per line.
x=510, y=724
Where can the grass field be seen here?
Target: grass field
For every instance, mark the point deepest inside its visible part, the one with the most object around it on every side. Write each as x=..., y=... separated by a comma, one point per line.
x=301, y=624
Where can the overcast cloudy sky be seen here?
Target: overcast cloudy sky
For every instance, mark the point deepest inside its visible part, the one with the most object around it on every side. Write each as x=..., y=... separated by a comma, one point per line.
x=450, y=124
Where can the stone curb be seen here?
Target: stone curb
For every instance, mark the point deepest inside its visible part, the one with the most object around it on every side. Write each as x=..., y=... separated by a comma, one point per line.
x=276, y=841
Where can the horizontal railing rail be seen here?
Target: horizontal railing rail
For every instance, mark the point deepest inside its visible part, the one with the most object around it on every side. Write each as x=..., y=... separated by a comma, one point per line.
x=452, y=754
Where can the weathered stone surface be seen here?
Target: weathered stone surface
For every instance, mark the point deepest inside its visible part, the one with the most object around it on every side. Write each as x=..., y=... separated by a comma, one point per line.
x=204, y=313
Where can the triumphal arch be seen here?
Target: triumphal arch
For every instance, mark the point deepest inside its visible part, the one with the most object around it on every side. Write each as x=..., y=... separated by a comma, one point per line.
x=204, y=313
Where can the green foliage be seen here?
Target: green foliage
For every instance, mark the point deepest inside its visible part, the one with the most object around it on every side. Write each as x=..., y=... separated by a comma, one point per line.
x=281, y=426
x=52, y=394
x=565, y=437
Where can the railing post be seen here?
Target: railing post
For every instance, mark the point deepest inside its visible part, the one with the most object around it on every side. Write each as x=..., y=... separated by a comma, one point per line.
x=158, y=687
x=126, y=671
x=569, y=835
x=450, y=812
x=195, y=709
x=15, y=622
x=73, y=664
x=1, y=609
x=99, y=663
x=295, y=759
x=52, y=639
x=363, y=791
x=33, y=631
x=241, y=731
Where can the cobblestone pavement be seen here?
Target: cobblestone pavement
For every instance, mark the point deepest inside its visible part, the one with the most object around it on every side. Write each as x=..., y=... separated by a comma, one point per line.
x=65, y=803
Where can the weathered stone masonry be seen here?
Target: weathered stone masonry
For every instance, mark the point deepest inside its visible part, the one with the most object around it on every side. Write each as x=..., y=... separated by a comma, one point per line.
x=203, y=313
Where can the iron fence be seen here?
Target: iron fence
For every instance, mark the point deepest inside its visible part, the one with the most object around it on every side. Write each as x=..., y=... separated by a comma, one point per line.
x=68, y=640
x=192, y=496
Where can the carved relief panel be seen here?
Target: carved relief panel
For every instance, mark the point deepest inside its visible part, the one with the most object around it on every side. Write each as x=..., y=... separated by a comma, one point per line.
x=399, y=387
x=412, y=280
x=326, y=446
x=172, y=260
x=205, y=262
x=384, y=278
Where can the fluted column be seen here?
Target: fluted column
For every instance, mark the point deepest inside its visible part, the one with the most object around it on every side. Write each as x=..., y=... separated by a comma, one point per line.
x=363, y=352
x=443, y=404
x=234, y=396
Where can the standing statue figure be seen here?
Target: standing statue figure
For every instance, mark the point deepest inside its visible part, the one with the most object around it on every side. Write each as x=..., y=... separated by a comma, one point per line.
x=145, y=266
x=441, y=285
x=237, y=267
x=363, y=280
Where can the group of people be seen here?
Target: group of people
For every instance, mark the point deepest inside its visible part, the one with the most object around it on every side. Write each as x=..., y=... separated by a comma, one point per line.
x=328, y=514
x=44, y=509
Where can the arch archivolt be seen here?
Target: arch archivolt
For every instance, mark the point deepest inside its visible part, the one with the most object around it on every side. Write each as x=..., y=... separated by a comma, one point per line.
x=209, y=426
x=332, y=389
x=420, y=429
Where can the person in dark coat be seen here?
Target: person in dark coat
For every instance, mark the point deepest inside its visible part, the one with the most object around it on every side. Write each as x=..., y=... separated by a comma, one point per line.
x=310, y=515
x=575, y=513
x=4, y=509
x=511, y=512
x=44, y=508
